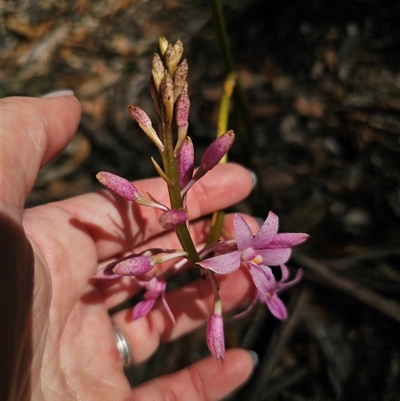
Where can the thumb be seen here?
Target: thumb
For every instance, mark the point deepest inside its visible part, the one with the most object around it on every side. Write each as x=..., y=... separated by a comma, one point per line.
x=33, y=131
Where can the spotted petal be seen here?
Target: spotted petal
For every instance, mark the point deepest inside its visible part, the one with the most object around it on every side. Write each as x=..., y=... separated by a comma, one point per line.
x=263, y=279
x=243, y=235
x=285, y=240
x=275, y=257
x=222, y=264
x=267, y=231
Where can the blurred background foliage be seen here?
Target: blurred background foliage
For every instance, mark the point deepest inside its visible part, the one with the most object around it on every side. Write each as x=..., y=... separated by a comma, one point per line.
x=322, y=84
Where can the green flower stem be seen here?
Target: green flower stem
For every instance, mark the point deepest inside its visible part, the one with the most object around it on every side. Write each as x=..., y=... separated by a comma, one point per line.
x=171, y=170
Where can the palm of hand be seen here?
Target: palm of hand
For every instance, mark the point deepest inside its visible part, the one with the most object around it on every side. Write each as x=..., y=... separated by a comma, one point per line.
x=74, y=350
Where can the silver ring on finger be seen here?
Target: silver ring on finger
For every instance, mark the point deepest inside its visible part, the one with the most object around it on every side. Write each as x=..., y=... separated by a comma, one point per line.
x=123, y=346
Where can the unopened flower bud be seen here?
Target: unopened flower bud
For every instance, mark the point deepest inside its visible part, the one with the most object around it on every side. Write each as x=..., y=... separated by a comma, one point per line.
x=144, y=122
x=167, y=97
x=172, y=56
x=180, y=77
x=217, y=149
x=215, y=336
x=157, y=70
x=118, y=185
x=186, y=162
x=163, y=45
x=134, y=266
x=178, y=46
x=173, y=218
x=140, y=116
x=212, y=155
x=182, y=107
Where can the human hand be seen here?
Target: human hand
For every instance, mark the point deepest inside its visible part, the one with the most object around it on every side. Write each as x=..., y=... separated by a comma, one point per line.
x=56, y=320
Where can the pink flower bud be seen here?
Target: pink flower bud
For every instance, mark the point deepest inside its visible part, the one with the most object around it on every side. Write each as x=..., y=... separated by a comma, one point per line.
x=134, y=266
x=215, y=336
x=144, y=122
x=180, y=78
x=140, y=116
x=217, y=149
x=182, y=108
x=186, y=162
x=173, y=218
x=118, y=185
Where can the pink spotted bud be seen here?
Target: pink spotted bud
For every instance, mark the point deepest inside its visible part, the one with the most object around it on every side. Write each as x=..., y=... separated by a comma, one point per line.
x=173, y=218
x=134, y=266
x=186, y=162
x=118, y=185
x=182, y=108
x=217, y=149
x=172, y=56
x=178, y=46
x=211, y=157
x=167, y=90
x=144, y=122
x=180, y=78
x=215, y=336
x=167, y=98
x=157, y=70
x=140, y=116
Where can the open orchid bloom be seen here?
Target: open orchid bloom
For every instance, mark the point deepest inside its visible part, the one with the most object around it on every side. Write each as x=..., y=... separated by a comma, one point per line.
x=266, y=248
x=267, y=289
x=155, y=289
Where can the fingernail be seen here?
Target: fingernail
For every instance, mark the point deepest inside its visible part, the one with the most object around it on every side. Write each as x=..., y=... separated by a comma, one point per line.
x=59, y=93
x=254, y=357
x=259, y=220
x=254, y=178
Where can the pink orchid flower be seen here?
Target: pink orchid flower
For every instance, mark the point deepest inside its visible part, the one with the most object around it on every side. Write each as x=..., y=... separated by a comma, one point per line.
x=266, y=248
x=155, y=289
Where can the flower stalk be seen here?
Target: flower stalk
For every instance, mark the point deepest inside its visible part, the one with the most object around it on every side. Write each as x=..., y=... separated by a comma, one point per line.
x=169, y=91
